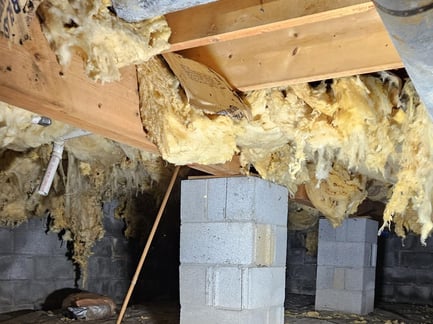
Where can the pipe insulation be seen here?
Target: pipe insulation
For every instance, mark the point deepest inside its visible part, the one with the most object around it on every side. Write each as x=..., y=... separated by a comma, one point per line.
x=410, y=26
x=137, y=10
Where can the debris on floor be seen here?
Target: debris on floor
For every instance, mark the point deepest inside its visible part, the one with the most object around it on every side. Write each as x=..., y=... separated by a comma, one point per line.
x=299, y=310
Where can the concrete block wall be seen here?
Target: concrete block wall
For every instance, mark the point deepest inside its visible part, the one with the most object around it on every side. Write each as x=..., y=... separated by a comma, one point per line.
x=33, y=264
x=301, y=265
x=232, y=251
x=113, y=262
x=346, y=266
x=24, y=280
x=404, y=269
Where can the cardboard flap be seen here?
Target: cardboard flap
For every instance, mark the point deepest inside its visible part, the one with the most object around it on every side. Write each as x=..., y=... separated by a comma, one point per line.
x=206, y=89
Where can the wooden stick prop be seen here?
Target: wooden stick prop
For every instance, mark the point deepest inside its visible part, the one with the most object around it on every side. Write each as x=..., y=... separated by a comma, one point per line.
x=147, y=246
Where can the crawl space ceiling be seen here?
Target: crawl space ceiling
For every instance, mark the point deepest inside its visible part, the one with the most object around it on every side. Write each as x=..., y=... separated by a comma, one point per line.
x=344, y=140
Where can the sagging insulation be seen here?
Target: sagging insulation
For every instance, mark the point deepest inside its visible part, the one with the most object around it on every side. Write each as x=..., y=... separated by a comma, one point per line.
x=93, y=170
x=104, y=42
x=183, y=134
x=334, y=137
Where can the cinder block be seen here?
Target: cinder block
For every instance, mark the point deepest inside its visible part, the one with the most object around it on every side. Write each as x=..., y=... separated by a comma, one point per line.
x=386, y=293
x=99, y=267
x=32, y=291
x=5, y=264
x=99, y=286
x=16, y=267
x=193, y=202
x=259, y=316
x=103, y=247
x=296, y=256
x=341, y=232
x=33, y=240
x=117, y=290
x=21, y=267
x=362, y=230
x=7, y=292
x=6, y=241
x=327, y=232
x=409, y=293
x=209, y=315
x=338, y=279
x=53, y=267
x=120, y=247
x=373, y=258
x=271, y=203
x=301, y=272
x=113, y=226
x=251, y=198
x=301, y=287
x=344, y=254
x=276, y=315
x=357, y=302
x=360, y=278
x=325, y=277
x=216, y=199
x=232, y=243
x=280, y=246
x=263, y=287
x=296, y=240
x=368, y=301
x=265, y=248
x=236, y=199
x=121, y=268
x=227, y=288
x=193, y=285
x=217, y=243
x=240, y=199
x=422, y=260
x=64, y=283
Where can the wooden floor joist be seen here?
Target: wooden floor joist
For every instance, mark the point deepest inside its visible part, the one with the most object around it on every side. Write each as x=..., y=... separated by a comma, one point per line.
x=300, y=41
x=226, y=20
x=31, y=78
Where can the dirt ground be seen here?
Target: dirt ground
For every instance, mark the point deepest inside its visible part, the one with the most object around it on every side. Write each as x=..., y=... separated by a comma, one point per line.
x=299, y=310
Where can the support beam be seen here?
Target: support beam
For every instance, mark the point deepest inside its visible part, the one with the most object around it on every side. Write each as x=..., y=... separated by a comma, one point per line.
x=326, y=39
x=232, y=167
x=31, y=78
x=227, y=20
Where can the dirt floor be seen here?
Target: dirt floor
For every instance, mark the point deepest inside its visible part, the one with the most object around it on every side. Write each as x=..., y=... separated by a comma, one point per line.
x=299, y=310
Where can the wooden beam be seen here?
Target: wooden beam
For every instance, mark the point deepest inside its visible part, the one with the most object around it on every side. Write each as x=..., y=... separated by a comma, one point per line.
x=232, y=167
x=343, y=41
x=31, y=78
x=228, y=20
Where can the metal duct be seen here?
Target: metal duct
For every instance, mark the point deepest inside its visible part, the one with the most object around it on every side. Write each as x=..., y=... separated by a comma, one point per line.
x=137, y=10
x=410, y=25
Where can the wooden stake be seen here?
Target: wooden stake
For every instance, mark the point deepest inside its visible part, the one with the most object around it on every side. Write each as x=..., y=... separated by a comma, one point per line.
x=147, y=246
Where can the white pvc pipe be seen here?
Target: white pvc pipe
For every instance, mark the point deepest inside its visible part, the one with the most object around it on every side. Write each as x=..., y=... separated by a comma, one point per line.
x=56, y=157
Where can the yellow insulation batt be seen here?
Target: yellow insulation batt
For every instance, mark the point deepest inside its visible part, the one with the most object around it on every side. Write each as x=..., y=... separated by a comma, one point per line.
x=335, y=138
x=105, y=42
x=183, y=133
x=93, y=170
